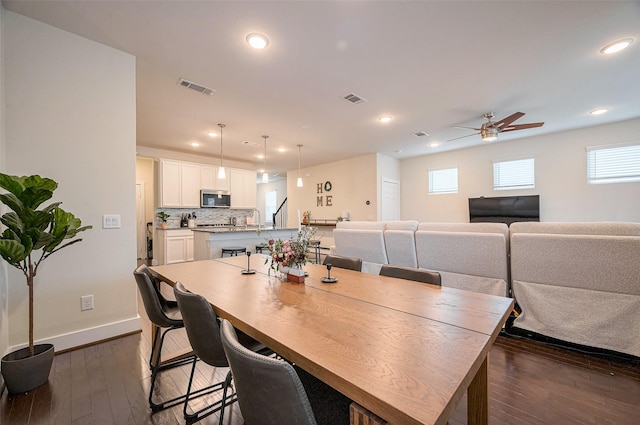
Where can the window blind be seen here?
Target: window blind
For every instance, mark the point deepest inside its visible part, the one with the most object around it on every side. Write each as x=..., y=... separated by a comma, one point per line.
x=518, y=174
x=443, y=181
x=619, y=164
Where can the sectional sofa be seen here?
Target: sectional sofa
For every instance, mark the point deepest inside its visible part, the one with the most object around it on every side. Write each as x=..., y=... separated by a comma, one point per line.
x=575, y=282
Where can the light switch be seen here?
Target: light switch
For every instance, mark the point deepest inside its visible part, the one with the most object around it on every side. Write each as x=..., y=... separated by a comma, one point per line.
x=111, y=221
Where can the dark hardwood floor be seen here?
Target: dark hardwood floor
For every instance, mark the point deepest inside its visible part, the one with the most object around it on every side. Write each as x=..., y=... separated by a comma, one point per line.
x=529, y=383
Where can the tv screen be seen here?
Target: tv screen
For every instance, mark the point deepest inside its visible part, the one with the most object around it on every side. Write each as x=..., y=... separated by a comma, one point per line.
x=504, y=209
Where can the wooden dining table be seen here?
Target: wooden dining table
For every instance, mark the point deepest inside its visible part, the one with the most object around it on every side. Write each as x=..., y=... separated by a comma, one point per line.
x=404, y=352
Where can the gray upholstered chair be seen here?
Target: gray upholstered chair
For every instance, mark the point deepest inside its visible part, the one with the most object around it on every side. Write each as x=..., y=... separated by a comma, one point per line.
x=203, y=331
x=164, y=314
x=408, y=273
x=269, y=390
x=343, y=262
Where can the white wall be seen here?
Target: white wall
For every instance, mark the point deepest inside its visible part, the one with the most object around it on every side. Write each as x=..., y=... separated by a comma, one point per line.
x=560, y=162
x=353, y=183
x=4, y=296
x=70, y=116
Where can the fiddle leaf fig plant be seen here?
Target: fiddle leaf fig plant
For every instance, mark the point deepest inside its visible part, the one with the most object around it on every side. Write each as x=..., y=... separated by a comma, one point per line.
x=31, y=235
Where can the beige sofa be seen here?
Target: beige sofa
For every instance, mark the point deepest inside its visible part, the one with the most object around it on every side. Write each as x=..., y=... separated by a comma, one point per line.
x=479, y=263
x=470, y=256
x=579, y=282
x=364, y=240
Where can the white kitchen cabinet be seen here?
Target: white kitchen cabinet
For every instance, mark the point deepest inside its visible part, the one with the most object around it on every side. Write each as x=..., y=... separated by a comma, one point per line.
x=243, y=188
x=176, y=246
x=190, y=185
x=209, y=178
x=178, y=184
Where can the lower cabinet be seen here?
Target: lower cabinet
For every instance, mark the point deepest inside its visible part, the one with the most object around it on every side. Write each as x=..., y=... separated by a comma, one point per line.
x=176, y=246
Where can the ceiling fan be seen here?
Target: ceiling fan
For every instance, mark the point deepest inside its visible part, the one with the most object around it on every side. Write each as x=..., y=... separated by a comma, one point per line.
x=490, y=129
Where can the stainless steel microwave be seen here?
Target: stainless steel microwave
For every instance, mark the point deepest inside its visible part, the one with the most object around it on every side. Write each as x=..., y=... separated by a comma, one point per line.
x=214, y=199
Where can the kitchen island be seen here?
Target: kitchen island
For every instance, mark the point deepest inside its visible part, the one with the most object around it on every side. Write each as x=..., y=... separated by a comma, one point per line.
x=209, y=240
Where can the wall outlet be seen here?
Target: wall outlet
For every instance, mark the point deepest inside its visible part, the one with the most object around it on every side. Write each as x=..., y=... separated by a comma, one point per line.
x=86, y=302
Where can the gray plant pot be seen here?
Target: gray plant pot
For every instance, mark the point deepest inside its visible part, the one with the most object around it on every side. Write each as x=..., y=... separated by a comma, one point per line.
x=23, y=373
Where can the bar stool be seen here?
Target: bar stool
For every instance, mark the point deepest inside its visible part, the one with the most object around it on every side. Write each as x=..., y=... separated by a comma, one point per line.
x=233, y=250
x=315, y=244
x=261, y=247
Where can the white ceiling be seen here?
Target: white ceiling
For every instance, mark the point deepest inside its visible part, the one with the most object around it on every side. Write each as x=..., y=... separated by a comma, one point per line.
x=431, y=65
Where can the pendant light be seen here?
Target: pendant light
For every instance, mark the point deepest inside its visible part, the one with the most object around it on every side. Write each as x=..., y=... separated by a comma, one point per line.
x=265, y=175
x=221, y=171
x=299, y=184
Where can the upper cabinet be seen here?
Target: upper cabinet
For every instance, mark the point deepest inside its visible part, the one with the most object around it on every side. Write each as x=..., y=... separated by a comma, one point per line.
x=209, y=178
x=178, y=184
x=243, y=188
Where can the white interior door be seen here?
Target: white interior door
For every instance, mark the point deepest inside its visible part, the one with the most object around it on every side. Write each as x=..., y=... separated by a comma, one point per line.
x=141, y=225
x=390, y=205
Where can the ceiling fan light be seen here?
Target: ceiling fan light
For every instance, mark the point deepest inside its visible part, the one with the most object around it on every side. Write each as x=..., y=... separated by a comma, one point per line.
x=489, y=134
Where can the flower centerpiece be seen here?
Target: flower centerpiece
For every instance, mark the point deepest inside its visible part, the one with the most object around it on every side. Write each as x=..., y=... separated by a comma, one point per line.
x=291, y=254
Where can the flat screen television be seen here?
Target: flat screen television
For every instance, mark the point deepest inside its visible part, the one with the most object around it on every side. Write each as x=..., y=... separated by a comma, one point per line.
x=504, y=209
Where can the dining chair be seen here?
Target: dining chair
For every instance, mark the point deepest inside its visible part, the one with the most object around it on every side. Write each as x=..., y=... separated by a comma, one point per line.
x=343, y=262
x=269, y=390
x=408, y=273
x=164, y=314
x=203, y=332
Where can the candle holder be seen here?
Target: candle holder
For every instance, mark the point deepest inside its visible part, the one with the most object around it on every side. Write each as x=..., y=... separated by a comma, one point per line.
x=328, y=278
x=249, y=270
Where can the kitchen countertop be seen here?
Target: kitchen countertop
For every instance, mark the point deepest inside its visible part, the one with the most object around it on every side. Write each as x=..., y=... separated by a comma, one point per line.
x=227, y=229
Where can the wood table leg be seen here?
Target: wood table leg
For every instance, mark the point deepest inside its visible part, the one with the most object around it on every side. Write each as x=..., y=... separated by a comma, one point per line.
x=478, y=397
x=358, y=415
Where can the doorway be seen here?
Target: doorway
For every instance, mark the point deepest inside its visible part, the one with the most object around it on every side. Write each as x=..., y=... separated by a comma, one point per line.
x=390, y=204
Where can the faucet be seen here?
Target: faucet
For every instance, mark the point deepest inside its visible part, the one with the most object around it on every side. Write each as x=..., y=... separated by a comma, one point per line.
x=259, y=218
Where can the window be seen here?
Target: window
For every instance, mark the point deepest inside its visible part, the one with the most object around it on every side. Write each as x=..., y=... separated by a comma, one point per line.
x=270, y=205
x=443, y=181
x=518, y=174
x=618, y=164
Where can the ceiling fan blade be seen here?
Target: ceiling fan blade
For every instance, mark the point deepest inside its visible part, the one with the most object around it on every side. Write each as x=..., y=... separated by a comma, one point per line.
x=468, y=135
x=508, y=120
x=522, y=126
x=470, y=128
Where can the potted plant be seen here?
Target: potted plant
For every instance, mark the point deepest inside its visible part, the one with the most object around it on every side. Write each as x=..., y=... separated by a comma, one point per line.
x=31, y=236
x=163, y=216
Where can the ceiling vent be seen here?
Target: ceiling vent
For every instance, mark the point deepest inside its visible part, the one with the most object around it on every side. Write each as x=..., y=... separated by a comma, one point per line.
x=354, y=98
x=196, y=87
x=421, y=134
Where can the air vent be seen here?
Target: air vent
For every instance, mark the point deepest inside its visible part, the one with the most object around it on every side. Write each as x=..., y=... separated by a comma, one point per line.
x=197, y=87
x=249, y=143
x=354, y=98
x=421, y=134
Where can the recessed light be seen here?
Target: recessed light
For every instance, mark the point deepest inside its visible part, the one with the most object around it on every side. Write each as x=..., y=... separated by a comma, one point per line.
x=260, y=156
x=212, y=134
x=434, y=144
x=257, y=41
x=194, y=144
x=599, y=111
x=616, y=46
x=282, y=150
x=385, y=118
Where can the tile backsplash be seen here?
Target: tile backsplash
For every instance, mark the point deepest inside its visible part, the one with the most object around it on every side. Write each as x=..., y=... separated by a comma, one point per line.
x=205, y=215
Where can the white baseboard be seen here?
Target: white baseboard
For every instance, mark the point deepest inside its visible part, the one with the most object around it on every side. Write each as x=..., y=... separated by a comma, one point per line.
x=87, y=336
